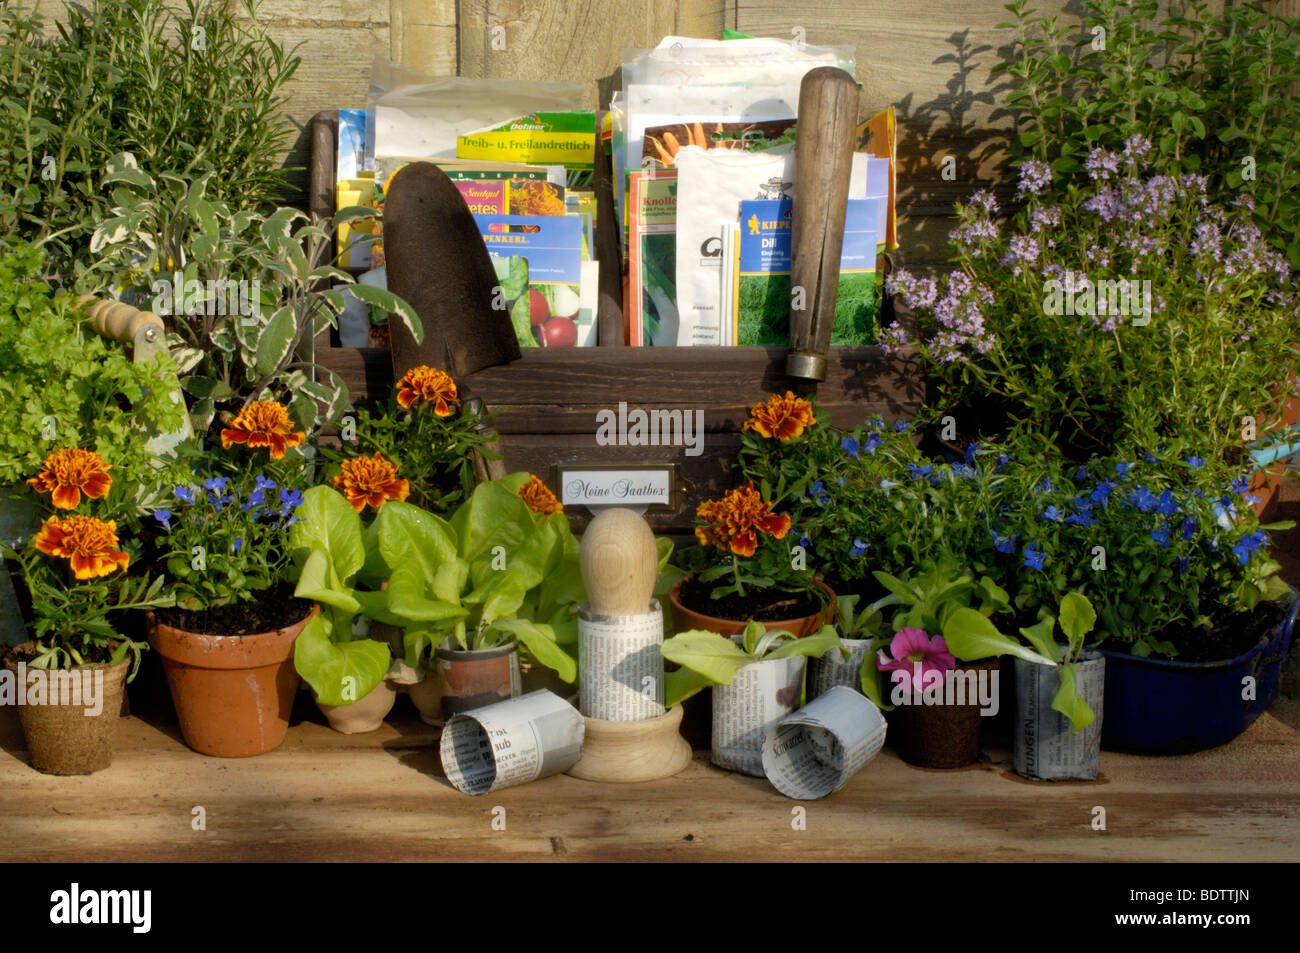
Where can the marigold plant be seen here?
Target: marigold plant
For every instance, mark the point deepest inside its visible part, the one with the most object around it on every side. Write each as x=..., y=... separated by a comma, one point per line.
x=263, y=423
x=370, y=481
x=70, y=472
x=539, y=497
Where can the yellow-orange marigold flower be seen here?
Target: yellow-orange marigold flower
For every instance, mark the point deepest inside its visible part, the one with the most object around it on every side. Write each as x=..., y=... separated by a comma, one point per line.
x=429, y=385
x=781, y=417
x=734, y=522
x=263, y=423
x=68, y=473
x=370, y=480
x=539, y=498
x=88, y=544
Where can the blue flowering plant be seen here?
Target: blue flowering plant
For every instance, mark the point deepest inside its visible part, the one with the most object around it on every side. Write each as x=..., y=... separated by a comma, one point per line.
x=1121, y=306
x=1164, y=544
x=882, y=504
x=222, y=537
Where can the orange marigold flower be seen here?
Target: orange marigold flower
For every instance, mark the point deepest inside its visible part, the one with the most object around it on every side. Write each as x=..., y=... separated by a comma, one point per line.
x=734, y=522
x=781, y=417
x=263, y=423
x=371, y=480
x=539, y=498
x=429, y=385
x=88, y=544
x=68, y=473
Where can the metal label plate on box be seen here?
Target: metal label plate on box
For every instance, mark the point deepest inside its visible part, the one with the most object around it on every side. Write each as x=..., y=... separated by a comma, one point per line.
x=657, y=488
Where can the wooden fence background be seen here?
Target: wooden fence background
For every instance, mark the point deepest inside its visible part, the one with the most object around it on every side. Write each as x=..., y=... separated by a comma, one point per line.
x=933, y=63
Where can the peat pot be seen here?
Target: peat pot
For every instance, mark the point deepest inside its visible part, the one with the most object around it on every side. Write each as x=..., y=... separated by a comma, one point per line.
x=69, y=716
x=233, y=693
x=943, y=735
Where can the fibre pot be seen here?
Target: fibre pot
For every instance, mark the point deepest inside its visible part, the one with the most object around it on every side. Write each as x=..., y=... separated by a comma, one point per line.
x=1155, y=706
x=1043, y=748
x=426, y=699
x=69, y=716
x=825, y=673
x=759, y=696
x=477, y=677
x=365, y=714
x=233, y=693
x=942, y=735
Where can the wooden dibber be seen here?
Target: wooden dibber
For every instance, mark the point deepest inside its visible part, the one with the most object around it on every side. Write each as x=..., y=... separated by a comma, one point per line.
x=823, y=150
x=619, y=564
x=436, y=261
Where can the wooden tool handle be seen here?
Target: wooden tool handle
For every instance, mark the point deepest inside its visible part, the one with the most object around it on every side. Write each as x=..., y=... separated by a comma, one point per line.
x=828, y=112
x=619, y=563
x=116, y=320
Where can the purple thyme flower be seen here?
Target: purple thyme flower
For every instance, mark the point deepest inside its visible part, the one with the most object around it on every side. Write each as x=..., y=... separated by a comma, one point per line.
x=1101, y=163
x=1034, y=177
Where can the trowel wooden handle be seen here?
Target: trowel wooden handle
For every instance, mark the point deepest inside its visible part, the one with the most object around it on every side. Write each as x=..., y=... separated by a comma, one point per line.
x=116, y=320
x=823, y=150
x=619, y=563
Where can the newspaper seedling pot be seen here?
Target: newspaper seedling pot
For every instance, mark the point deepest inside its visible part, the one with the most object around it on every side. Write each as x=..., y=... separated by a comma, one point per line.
x=825, y=673
x=759, y=696
x=1157, y=706
x=940, y=736
x=469, y=679
x=61, y=737
x=1043, y=749
x=233, y=693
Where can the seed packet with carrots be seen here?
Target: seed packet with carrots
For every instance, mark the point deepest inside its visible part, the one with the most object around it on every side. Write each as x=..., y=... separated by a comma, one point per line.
x=662, y=142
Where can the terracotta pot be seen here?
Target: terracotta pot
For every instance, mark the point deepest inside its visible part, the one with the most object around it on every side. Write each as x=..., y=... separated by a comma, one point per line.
x=684, y=618
x=1264, y=482
x=233, y=693
x=63, y=737
x=939, y=736
x=478, y=677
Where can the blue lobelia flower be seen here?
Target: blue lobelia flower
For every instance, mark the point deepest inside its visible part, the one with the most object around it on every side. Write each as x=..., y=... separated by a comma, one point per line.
x=818, y=493
x=971, y=453
x=215, y=484
x=256, y=498
x=164, y=516
x=1247, y=545
x=289, y=500
x=1195, y=462
x=1046, y=486
x=237, y=545
x=1240, y=485
x=1051, y=513
x=1121, y=469
x=901, y=426
x=1144, y=499
x=1082, y=517
x=1034, y=557
x=859, y=548
x=1081, y=473
x=264, y=483
x=1004, y=544
x=1166, y=505
x=851, y=447
x=964, y=470
x=1002, y=460
x=1182, y=564
x=184, y=494
x=1151, y=457
x=805, y=542
x=1101, y=492
x=1189, y=528
x=1161, y=536
x=872, y=442
x=918, y=472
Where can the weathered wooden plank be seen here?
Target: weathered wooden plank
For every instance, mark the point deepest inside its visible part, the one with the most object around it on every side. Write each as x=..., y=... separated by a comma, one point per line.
x=383, y=797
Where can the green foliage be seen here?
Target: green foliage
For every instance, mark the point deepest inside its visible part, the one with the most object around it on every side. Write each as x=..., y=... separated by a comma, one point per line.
x=245, y=294
x=493, y=574
x=707, y=658
x=187, y=89
x=64, y=386
x=1209, y=89
x=1077, y=619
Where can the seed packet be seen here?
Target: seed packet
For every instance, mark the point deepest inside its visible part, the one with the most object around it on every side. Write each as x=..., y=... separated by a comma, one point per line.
x=652, y=258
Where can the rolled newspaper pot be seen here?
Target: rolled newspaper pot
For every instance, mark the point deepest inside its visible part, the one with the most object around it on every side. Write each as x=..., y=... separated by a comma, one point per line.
x=823, y=673
x=511, y=742
x=759, y=696
x=622, y=668
x=814, y=752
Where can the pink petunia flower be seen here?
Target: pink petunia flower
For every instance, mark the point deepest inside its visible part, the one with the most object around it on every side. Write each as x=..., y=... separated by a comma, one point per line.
x=915, y=656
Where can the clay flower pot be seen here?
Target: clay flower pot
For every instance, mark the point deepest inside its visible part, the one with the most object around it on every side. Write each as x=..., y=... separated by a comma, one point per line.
x=685, y=618
x=368, y=712
x=233, y=693
x=62, y=735
x=426, y=698
x=477, y=677
x=939, y=736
